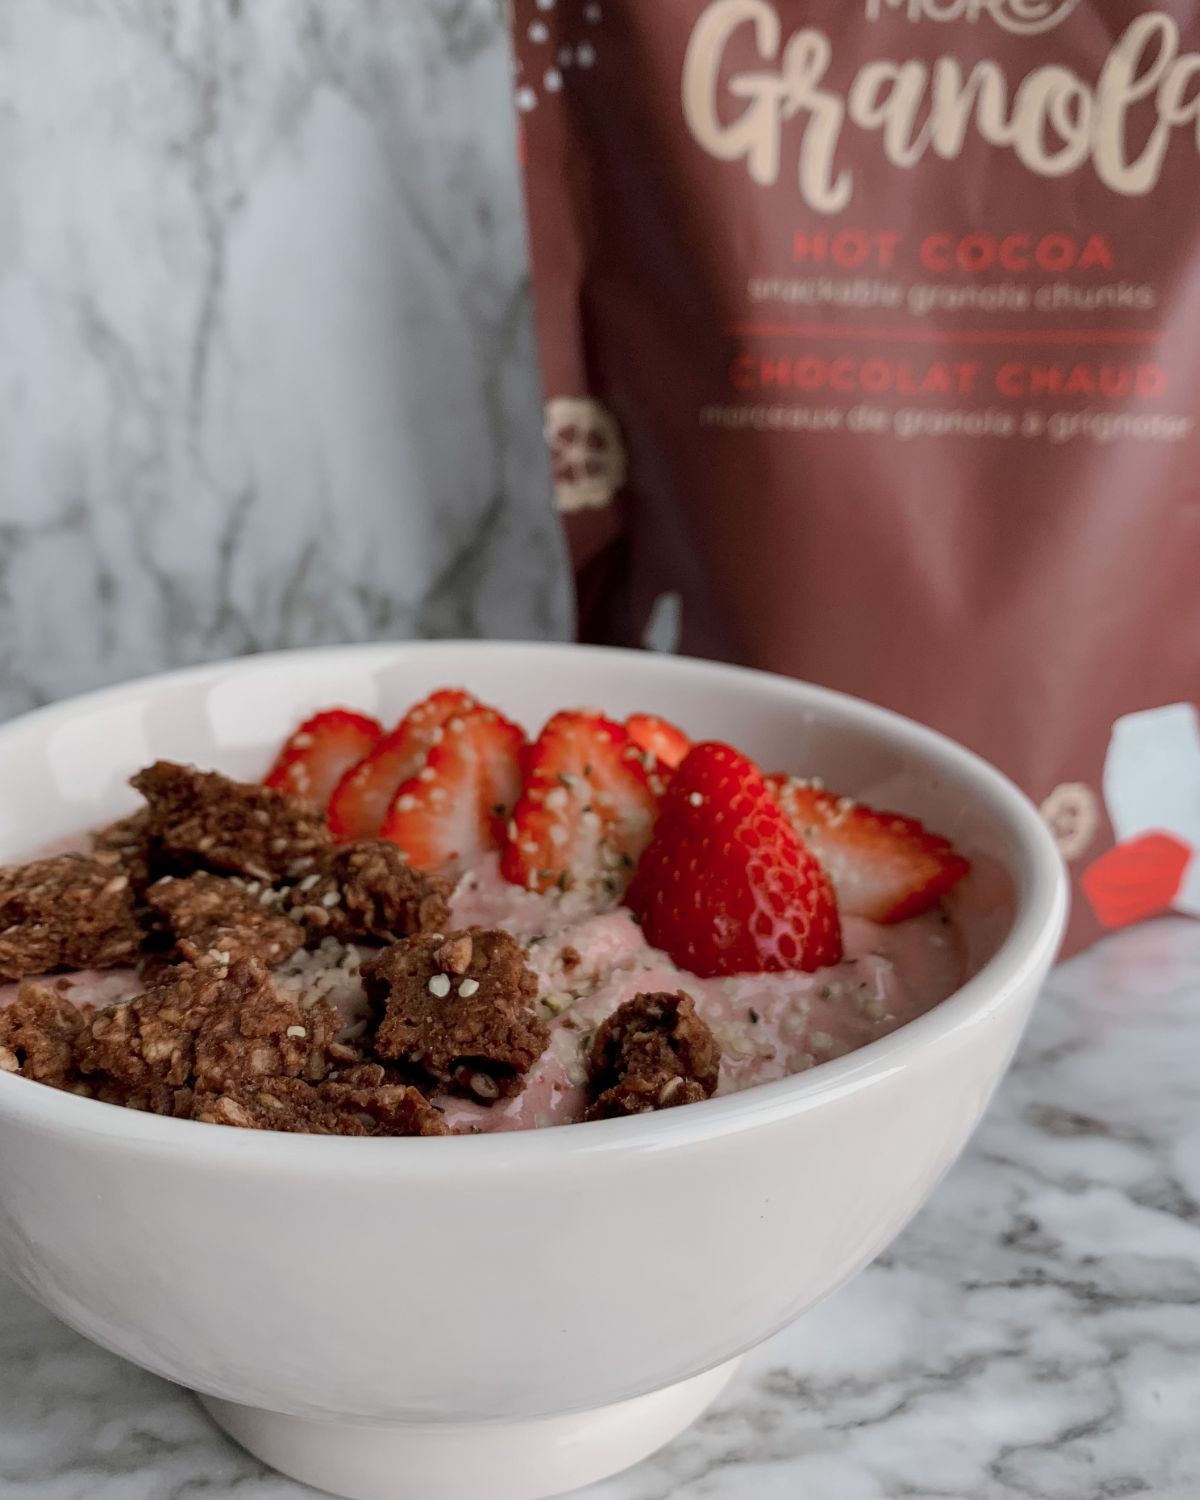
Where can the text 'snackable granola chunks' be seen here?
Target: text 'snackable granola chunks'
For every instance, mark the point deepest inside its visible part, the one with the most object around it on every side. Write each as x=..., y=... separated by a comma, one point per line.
x=870, y=333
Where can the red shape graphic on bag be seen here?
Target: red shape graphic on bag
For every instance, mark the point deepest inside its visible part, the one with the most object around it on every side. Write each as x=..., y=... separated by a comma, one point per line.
x=1137, y=879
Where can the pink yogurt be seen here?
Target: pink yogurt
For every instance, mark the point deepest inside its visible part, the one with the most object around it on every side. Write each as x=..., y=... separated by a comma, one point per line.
x=767, y=1025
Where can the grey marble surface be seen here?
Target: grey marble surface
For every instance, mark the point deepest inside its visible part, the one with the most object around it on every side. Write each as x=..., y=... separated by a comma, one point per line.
x=1034, y=1335
x=266, y=362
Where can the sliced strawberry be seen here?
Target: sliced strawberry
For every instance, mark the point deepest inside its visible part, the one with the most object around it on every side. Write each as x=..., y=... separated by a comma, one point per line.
x=658, y=737
x=453, y=809
x=725, y=886
x=585, y=810
x=321, y=751
x=883, y=866
x=361, y=799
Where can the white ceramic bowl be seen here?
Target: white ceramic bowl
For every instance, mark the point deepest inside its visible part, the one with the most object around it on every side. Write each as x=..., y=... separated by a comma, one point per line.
x=507, y=1315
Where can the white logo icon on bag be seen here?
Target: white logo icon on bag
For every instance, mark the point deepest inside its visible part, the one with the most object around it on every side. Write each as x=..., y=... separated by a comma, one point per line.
x=1152, y=784
x=587, y=455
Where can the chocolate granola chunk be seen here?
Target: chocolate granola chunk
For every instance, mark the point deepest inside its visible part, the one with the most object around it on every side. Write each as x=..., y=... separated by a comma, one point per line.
x=460, y=1009
x=206, y=821
x=39, y=1034
x=268, y=1035
x=653, y=1052
x=331, y=1108
x=223, y=915
x=204, y=1027
x=141, y=1051
x=126, y=846
x=366, y=892
x=68, y=912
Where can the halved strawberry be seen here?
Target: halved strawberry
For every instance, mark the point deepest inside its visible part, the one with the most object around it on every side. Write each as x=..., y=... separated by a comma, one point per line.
x=361, y=799
x=451, y=811
x=321, y=751
x=725, y=886
x=659, y=737
x=883, y=865
x=585, y=810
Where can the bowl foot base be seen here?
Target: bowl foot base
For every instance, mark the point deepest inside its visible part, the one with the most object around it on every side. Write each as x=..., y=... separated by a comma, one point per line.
x=461, y=1461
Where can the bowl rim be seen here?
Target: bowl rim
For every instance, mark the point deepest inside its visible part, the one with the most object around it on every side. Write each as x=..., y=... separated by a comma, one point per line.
x=1021, y=960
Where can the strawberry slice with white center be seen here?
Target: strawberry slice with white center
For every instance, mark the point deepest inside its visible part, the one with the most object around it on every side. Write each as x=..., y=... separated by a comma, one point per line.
x=361, y=799
x=320, y=752
x=586, y=808
x=658, y=737
x=454, y=808
x=883, y=865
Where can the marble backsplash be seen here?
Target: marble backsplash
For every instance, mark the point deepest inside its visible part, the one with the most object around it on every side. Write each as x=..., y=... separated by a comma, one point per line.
x=267, y=374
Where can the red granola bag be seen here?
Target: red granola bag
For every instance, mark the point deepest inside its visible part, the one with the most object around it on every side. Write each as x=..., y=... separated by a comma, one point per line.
x=869, y=340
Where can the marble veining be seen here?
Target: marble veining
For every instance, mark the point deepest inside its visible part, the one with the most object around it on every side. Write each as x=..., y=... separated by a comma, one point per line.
x=267, y=373
x=1033, y=1335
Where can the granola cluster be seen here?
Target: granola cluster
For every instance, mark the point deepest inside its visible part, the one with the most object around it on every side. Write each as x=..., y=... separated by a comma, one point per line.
x=202, y=820
x=459, y=1010
x=348, y=1106
x=127, y=848
x=215, y=890
x=209, y=888
x=212, y=1042
x=203, y=1028
x=40, y=1033
x=69, y=912
x=653, y=1052
x=366, y=892
x=224, y=917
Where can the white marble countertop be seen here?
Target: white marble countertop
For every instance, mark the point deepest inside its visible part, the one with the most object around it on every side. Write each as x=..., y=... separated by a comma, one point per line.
x=1034, y=1335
